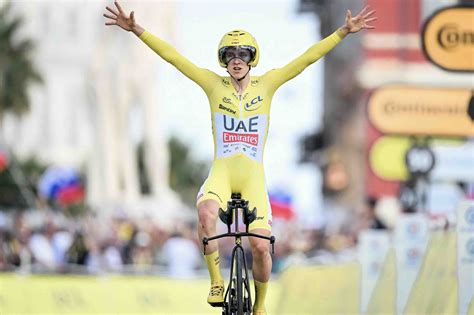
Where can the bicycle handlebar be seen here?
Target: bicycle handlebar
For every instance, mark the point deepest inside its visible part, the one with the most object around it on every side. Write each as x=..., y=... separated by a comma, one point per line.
x=234, y=205
x=206, y=240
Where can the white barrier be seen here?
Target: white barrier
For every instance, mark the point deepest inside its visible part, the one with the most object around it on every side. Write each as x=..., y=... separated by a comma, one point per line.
x=372, y=250
x=411, y=238
x=465, y=254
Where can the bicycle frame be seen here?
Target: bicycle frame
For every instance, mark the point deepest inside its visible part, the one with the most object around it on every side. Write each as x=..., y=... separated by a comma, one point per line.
x=238, y=253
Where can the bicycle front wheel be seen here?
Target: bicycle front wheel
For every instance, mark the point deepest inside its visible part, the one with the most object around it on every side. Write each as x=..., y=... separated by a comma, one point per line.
x=239, y=263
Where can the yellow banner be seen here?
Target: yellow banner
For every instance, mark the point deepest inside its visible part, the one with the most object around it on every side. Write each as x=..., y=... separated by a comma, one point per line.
x=102, y=295
x=448, y=38
x=109, y=295
x=384, y=298
x=408, y=110
x=435, y=290
x=320, y=290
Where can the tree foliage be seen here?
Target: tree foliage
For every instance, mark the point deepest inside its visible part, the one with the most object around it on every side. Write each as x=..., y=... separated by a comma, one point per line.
x=186, y=173
x=17, y=70
x=10, y=192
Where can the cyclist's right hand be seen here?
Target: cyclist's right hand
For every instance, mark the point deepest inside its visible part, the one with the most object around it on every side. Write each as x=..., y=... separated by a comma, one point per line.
x=120, y=18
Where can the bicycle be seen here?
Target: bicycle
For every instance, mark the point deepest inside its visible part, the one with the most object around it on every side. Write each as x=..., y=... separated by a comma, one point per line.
x=237, y=298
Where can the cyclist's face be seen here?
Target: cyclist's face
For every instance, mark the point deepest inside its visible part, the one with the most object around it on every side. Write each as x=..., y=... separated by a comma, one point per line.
x=237, y=67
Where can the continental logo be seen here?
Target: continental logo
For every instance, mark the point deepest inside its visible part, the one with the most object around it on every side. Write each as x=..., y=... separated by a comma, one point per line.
x=448, y=38
x=227, y=109
x=411, y=110
x=397, y=108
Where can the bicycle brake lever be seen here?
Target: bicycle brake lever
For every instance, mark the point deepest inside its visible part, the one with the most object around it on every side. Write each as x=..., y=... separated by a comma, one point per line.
x=272, y=242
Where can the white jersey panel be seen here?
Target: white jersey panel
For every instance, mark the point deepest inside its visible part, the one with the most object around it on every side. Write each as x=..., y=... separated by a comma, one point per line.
x=246, y=135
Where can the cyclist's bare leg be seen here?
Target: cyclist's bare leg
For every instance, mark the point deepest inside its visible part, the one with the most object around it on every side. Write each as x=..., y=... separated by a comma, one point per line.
x=261, y=267
x=208, y=211
x=262, y=261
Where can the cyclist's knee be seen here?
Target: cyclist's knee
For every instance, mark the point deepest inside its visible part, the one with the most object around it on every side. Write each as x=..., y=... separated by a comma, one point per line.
x=260, y=247
x=208, y=211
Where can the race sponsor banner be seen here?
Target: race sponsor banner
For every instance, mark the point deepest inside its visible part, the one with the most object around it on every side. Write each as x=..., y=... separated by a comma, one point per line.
x=447, y=38
x=411, y=110
x=320, y=290
x=373, y=246
x=411, y=238
x=435, y=290
x=23, y=294
x=465, y=254
x=384, y=296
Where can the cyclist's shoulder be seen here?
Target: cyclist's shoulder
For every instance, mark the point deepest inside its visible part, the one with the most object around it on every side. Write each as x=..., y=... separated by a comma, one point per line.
x=270, y=73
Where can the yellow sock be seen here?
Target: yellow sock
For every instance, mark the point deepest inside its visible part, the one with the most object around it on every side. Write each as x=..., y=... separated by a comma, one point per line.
x=212, y=261
x=260, y=293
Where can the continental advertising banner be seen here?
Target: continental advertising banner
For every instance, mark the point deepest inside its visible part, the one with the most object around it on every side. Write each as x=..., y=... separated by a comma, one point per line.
x=448, y=38
x=408, y=110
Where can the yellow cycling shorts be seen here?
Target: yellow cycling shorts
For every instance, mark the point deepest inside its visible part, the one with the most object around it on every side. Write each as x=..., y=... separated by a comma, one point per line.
x=239, y=174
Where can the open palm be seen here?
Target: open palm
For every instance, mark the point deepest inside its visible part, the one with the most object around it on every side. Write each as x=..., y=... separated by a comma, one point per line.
x=360, y=21
x=119, y=17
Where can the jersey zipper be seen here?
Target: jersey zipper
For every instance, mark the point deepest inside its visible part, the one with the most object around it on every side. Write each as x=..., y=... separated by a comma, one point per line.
x=240, y=106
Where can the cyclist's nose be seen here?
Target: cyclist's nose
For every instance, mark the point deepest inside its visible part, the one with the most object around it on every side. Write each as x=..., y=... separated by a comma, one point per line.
x=236, y=61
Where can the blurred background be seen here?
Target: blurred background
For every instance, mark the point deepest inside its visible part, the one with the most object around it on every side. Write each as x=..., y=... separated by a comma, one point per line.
x=369, y=159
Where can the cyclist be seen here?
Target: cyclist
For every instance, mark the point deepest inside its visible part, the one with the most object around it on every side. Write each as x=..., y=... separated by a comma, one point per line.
x=240, y=111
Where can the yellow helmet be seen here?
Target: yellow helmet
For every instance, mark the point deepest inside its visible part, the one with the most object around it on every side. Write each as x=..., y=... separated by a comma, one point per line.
x=242, y=39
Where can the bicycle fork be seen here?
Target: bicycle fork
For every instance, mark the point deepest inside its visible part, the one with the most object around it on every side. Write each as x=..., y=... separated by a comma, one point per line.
x=239, y=263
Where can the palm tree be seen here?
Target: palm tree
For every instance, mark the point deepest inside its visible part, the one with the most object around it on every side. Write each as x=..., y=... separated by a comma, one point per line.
x=17, y=70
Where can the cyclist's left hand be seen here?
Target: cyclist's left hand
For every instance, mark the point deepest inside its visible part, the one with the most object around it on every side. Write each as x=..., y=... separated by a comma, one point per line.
x=360, y=21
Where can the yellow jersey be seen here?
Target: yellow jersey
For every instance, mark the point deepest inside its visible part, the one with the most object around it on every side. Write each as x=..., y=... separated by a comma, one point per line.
x=240, y=122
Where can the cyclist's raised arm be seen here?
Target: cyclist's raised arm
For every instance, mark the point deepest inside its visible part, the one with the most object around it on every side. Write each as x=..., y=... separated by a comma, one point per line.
x=202, y=77
x=279, y=76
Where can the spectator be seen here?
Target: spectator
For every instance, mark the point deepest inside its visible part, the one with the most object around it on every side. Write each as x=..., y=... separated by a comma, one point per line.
x=182, y=255
x=77, y=252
